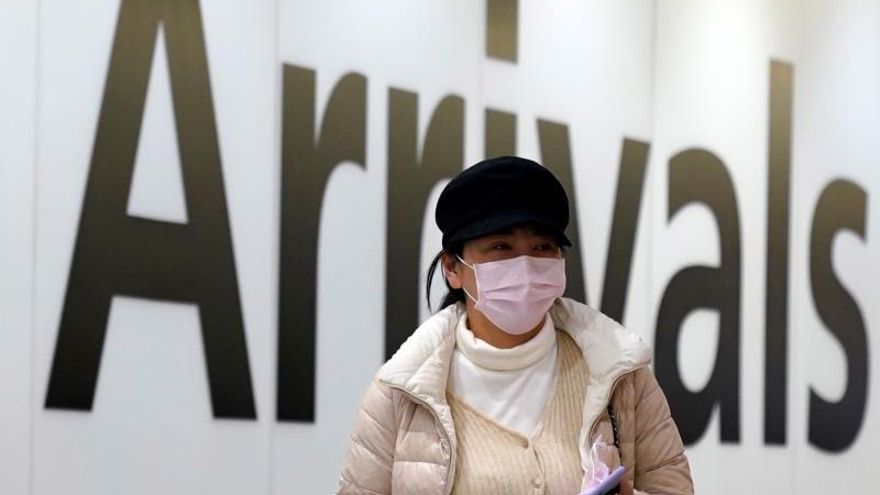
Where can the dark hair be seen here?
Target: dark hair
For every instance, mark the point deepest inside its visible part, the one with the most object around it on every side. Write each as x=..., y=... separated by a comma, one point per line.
x=452, y=295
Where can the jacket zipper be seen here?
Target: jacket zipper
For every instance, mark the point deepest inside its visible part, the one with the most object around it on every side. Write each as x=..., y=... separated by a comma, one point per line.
x=446, y=487
x=606, y=401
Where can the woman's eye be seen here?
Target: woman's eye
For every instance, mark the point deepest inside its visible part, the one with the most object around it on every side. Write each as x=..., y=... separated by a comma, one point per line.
x=499, y=247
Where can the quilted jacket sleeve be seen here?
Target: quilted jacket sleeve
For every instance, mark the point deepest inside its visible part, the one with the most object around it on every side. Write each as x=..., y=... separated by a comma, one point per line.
x=661, y=465
x=367, y=469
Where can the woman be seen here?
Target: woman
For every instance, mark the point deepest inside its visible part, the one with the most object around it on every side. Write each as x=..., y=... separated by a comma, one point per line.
x=511, y=388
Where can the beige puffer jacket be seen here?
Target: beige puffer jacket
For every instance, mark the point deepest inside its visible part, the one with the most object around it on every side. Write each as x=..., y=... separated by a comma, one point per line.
x=403, y=440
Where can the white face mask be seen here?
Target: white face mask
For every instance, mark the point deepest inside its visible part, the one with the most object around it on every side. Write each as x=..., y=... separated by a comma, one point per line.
x=516, y=293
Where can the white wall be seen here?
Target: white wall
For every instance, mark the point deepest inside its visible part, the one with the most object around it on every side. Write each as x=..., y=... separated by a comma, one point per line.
x=18, y=99
x=671, y=73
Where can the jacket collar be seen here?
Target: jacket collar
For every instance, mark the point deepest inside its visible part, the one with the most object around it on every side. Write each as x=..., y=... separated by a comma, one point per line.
x=421, y=365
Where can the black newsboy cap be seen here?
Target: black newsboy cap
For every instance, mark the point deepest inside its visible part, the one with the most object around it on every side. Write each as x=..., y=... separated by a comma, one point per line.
x=498, y=193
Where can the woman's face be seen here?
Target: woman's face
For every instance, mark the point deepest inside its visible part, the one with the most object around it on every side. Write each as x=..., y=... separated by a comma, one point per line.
x=520, y=240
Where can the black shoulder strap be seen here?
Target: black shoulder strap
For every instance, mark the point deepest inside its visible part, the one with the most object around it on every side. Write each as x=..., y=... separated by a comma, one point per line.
x=613, y=415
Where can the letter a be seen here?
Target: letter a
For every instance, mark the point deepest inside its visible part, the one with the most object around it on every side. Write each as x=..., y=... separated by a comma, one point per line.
x=120, y=254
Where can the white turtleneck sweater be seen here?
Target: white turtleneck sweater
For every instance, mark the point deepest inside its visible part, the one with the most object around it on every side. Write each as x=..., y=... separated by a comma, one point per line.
x=510, y=386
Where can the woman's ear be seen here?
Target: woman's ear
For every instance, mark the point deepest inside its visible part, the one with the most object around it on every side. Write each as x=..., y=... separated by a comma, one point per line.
x=450, y=266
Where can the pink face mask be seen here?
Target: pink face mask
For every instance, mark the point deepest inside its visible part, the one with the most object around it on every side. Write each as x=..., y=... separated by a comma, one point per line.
x=516, y=293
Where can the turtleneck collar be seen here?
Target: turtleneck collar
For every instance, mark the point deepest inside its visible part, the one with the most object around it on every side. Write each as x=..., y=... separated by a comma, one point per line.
x=489, y=357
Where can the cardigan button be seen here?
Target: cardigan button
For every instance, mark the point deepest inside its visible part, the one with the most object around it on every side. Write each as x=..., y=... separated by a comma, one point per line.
x=537, y=482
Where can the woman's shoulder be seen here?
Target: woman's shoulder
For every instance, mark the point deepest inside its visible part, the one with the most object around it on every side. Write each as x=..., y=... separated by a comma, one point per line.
x=608, y=347
x=433, y=340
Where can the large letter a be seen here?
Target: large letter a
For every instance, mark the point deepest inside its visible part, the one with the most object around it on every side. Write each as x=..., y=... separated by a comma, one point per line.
x=120, y=254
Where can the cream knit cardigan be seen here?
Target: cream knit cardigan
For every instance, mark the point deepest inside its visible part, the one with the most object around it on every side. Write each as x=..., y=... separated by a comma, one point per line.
x=492, y=458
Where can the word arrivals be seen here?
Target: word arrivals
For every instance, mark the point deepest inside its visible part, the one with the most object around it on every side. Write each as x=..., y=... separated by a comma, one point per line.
x=195, y=262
